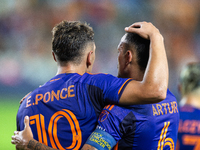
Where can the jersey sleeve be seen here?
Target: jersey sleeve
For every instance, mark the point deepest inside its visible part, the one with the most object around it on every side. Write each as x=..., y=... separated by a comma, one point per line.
x=110, y=123
x=20, y=116
x=117, y=121
x=112, y=87
x=22, y=112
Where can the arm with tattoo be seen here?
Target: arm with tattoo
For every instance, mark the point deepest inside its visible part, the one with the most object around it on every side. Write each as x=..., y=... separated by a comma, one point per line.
x=35, y=145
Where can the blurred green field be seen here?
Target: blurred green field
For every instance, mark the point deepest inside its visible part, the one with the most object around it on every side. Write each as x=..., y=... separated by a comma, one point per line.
x=8, y=111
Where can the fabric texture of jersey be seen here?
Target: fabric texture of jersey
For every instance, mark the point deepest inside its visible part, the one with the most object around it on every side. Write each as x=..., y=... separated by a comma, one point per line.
x=189, y=128
x=142, y=127
x=64, y=111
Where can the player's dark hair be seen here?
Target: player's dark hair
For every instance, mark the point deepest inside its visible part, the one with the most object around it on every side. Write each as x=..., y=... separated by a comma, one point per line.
x=69, y=40
x=141, y=46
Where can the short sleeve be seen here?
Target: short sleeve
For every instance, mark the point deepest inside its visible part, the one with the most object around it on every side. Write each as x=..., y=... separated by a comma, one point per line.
x=112, y=87
x=117, y=121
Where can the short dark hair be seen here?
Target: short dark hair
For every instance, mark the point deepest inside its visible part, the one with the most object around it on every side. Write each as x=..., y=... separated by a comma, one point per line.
x=141, y=46
x=69, y=40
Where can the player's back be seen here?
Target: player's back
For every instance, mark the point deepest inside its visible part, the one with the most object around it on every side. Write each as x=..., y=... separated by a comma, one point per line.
x=144, y=127
x=160, y=130
x=64, y=111
x=189, y=128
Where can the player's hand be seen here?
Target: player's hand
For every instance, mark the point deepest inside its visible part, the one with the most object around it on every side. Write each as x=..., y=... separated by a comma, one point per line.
x=21, y=138
x=24, y=98
x=144, y=29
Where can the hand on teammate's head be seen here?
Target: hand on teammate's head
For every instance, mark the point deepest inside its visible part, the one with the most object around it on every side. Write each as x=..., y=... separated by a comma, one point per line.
x=144, y=29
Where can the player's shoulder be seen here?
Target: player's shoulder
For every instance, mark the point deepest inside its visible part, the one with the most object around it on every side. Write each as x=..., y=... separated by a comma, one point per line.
x=170, y=96
x=95, y=78
x=97, y=75
x=117, y=111
x=103, y=77
x=169, y=93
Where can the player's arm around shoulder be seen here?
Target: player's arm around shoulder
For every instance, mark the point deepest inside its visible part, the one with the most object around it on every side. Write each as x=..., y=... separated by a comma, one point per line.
x=23, y=140
x=153, y=87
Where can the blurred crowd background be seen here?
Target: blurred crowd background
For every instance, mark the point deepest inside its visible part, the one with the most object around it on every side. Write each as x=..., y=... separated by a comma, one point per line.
x=25, y=35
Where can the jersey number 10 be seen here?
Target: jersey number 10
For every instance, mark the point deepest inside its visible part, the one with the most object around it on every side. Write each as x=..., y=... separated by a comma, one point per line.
x=38, y=120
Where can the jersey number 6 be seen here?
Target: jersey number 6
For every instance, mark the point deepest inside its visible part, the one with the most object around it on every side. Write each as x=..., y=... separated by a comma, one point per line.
x=163, y=140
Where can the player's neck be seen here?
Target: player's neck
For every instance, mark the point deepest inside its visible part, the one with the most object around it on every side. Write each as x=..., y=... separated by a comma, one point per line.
x=71, y=69
x=192, y=100
x=138, y=76
x=136, y=73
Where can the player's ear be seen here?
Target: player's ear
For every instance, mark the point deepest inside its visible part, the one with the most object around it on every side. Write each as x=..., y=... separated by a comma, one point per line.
x=89, y=59
x=128, y=56
x=54, y=57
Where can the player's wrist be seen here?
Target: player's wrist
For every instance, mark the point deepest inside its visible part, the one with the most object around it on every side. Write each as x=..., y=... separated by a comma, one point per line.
x=30, y=144
x=156, y=36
